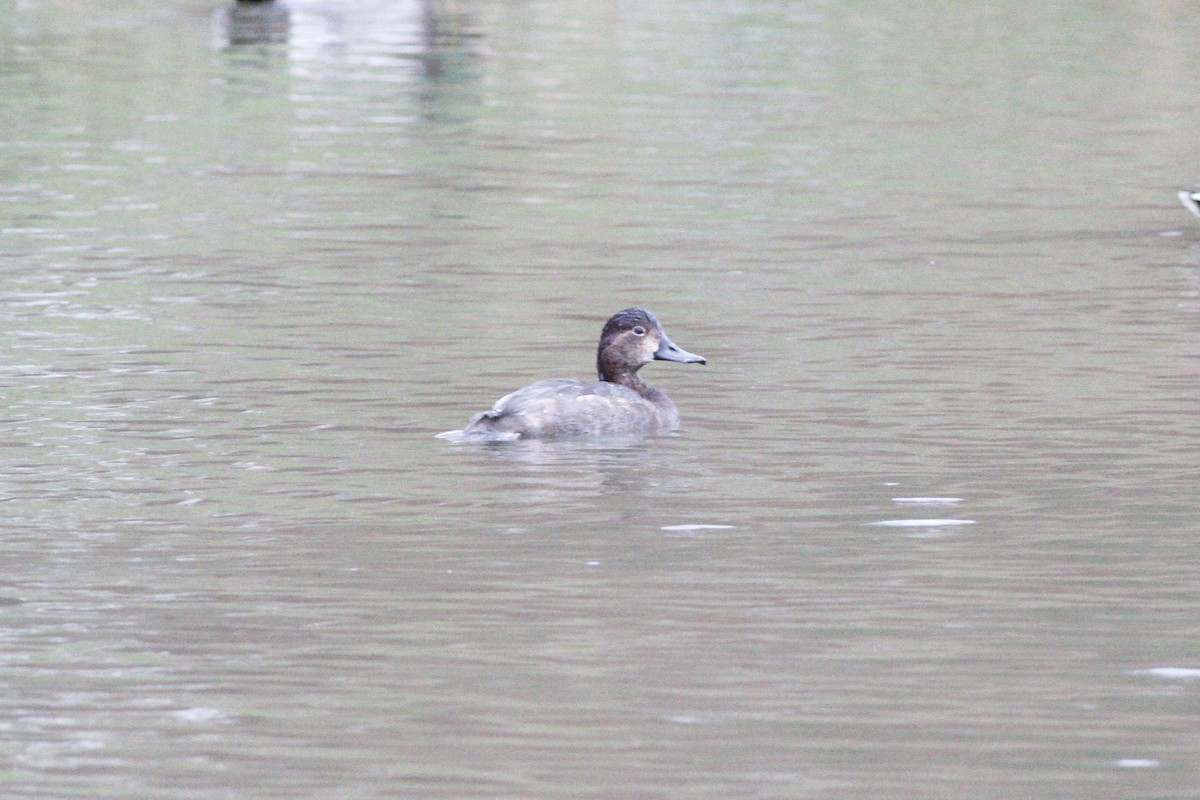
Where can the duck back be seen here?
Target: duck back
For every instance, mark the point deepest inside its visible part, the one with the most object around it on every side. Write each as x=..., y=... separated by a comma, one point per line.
x=561, y=407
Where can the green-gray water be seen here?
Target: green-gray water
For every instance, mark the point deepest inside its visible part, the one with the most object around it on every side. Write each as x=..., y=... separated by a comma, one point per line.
x=930, y=529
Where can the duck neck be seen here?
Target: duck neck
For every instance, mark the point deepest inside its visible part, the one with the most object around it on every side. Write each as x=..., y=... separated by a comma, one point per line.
x=624, y=376
x=668, y=414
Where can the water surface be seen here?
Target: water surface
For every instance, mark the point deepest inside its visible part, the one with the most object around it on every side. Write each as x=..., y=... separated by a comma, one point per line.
x=929, y=528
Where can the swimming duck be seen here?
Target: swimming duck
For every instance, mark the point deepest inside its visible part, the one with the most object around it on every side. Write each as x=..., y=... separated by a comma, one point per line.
x=620, y=403
x=1191, y=201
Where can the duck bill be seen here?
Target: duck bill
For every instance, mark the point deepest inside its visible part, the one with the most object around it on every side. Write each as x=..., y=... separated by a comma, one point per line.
x=669, y=351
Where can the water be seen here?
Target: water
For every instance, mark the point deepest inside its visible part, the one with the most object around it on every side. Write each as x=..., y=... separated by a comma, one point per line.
x=929, y=528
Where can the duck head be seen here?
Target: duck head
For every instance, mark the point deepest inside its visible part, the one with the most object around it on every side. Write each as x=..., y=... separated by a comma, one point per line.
x=633, y=338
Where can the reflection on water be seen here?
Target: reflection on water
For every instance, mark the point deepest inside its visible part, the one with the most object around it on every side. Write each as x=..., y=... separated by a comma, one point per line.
x=929, y=525
x=616, y=465
x=249, y=23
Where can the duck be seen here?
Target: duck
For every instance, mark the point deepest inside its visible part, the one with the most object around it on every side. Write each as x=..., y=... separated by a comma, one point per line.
x=1191, y=200
x=620, y=403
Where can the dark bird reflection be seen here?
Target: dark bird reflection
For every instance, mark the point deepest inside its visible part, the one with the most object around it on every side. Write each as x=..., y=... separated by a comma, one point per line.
x=255, y=22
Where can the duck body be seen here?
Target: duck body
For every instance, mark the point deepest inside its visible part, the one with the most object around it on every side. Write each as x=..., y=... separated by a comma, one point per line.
x=561, y=407
x=619, y=404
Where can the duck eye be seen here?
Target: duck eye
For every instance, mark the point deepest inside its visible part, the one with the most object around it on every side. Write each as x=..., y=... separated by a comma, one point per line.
x=639, y=330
